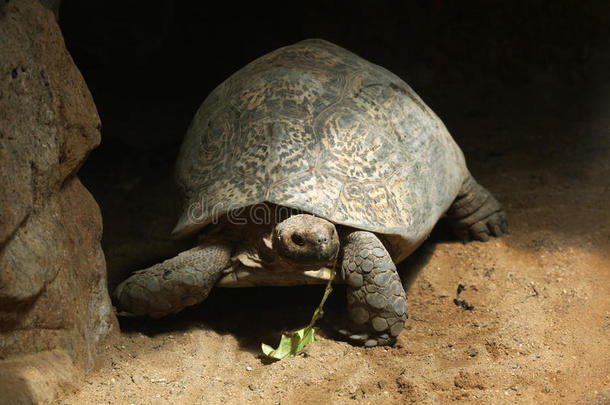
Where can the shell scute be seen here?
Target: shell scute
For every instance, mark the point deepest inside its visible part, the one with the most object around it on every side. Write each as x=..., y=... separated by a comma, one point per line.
x=313, y=126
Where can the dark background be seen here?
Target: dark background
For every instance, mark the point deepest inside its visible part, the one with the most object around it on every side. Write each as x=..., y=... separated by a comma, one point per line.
x=485, y=67
x=183, y=49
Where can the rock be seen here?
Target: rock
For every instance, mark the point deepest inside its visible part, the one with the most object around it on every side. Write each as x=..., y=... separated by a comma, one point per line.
x=137, y=379
x=39, y=375
x=53, y=296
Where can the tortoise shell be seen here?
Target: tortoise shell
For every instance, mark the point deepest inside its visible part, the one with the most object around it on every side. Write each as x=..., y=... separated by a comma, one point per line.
x=317, y=128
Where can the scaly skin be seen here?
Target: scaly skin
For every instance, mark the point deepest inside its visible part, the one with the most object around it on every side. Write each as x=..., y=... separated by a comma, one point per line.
x=476, y=214
x=377, y=303
x=174, y=284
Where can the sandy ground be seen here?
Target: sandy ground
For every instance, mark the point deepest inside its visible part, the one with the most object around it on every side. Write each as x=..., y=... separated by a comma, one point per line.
x=540, y=328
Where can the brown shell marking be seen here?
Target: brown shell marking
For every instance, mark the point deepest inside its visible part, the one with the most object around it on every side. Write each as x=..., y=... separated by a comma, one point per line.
x=315, y=127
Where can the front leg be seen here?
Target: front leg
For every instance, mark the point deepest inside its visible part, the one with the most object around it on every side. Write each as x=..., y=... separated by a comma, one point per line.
x=174, y=284
x=377, y=303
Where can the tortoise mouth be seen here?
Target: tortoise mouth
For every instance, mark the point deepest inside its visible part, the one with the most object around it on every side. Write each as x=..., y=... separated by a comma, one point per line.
x=244, y=277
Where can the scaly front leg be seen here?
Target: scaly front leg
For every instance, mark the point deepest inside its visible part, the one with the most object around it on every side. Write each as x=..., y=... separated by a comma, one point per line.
x=176, y=283
x=377, y=303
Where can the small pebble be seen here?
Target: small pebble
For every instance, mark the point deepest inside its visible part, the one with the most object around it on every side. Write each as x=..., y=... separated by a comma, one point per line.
x=249, y=368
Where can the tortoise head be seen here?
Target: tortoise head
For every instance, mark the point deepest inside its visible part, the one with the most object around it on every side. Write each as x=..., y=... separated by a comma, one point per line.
x=306, y=239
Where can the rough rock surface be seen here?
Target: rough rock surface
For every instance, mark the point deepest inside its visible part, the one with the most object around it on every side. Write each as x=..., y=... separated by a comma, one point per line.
x=53, y=295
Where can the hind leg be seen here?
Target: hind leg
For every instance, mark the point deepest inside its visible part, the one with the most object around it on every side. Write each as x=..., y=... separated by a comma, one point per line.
x=476, y=214
x=174, y=284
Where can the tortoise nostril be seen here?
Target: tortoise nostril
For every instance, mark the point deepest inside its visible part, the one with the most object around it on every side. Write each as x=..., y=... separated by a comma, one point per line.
x=322, y=238
x=297, y=239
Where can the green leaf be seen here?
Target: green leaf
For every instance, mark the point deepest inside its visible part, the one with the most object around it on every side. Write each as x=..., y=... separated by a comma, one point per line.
x=296, y=342
x=291, y=345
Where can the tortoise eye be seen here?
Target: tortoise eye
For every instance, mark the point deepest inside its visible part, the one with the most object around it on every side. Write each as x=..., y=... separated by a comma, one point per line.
x=297, y=239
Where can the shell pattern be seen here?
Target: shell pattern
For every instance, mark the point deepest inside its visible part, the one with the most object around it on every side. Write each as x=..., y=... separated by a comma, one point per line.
x=315, y=127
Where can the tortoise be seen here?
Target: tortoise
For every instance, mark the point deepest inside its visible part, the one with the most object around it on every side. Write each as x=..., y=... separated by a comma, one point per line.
x=307, y=158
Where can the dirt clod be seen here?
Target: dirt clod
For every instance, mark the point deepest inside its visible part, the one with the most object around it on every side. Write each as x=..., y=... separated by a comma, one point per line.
x=461, y=302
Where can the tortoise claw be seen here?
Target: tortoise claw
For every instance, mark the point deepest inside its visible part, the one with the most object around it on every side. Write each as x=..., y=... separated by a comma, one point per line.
x=366, y=339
